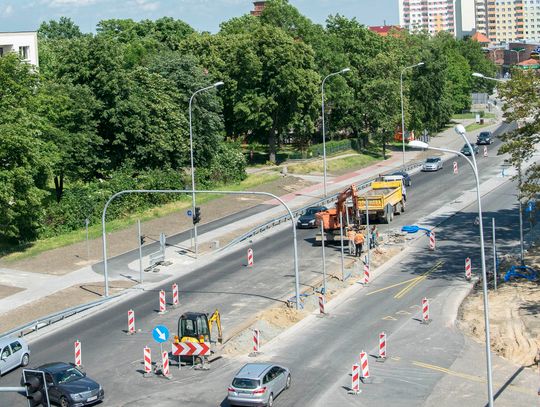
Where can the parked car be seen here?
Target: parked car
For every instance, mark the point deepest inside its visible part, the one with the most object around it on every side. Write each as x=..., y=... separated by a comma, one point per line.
x=406, y=177
x=69, y=387
x=14, y=353
x=432, y=164
x=484, y=137
x=467, y=151
x=258, y=384
x=307, y=220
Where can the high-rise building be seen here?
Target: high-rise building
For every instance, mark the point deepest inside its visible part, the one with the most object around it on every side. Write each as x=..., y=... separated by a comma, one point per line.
x=427, y=15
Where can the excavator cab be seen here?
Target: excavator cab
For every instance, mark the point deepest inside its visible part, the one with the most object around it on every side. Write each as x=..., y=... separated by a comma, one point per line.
x=197, y=327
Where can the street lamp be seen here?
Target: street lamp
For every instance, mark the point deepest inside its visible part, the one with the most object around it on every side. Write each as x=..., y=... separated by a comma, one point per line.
x=215, y=85
x=517, y=51
x=344, y=70
x=481, y=75
x=472, y=162
x=402, y=110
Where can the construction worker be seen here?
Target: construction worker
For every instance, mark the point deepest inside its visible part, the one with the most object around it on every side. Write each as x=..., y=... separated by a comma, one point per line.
x=351, y=234
x=373, y=241
x=359, y=241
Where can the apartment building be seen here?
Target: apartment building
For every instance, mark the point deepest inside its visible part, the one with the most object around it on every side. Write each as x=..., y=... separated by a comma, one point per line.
x=24, y=43
x=427, y=15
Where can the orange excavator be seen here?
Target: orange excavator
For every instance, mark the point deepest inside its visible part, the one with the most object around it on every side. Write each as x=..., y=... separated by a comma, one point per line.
x=330, y=218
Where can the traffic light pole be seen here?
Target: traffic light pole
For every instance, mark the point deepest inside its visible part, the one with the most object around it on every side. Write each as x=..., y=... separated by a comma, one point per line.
x=187, y=191
x=12, y=389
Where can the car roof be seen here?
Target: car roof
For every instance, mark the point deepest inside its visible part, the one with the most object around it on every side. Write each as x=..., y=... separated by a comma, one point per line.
x=485, y=133
x=433, y=158
x=10, y=340
x=55, y=366
x=254, y=370
x=399, y=173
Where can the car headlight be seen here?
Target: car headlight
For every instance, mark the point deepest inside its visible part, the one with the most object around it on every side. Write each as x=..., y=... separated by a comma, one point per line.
x=77, y=396
x=312, y=221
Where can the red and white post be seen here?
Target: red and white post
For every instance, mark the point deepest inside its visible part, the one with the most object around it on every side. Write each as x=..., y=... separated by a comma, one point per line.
x=382, y=346
x=78, y=353
x=432, y=240
x=175, y=295
x=250, y=257
x=165, y=360
x=364, y=366
x=355, y=385
x=455, y=168
x=366, y=274
x=147, y=361
x=162, y=304
x=322, y=303
x=131, y=322
x=468, y=269
x=425, y=311
x=256, y=340
x=485, y=151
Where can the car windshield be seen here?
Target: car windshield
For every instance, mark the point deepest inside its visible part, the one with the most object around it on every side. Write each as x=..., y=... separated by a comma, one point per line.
x=483, y=135
x=465, y=147
x=240, y=383
x=432, y=160
x=312, y=211
x=68, y=375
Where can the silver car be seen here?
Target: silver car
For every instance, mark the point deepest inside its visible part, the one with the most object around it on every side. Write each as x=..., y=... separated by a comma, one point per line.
x=14, y=352
x=432, y=164
x=258, y=384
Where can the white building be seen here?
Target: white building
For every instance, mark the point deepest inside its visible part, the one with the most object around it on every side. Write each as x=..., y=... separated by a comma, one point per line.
x=465, y=18
x=25, y=43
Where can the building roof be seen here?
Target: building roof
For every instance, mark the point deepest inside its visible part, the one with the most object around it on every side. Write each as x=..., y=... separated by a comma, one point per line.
x=530, y=63
x=481, y=38
x=384, y=29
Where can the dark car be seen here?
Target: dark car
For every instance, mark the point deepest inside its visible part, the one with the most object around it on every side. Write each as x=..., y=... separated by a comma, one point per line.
x=69, y=387
x=308, y=220
x=484, y=137
x=406, y=177
x=467, y=151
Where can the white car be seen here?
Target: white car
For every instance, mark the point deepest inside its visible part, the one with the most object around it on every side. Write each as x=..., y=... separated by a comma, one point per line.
x=432, y=164
x=14, y=352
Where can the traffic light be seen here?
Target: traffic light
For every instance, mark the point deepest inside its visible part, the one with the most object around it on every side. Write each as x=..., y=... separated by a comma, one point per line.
x=142, y=239
x=36, y=389
x=197, y=215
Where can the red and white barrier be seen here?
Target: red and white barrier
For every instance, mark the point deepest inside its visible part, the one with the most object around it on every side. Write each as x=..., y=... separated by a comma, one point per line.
x=364, y=365
x=147, y=360
x=485, y=151
x=355, y=385
x=432, y=240
x=162, y=304
x=250, y=257
x=425, y=311
x=78, y=354
x=322, y=303
x=468, y=269
x=256, y=340
x=131, y=322
x=175, y=294
x=366, y=273
x=382, y=345
x=165, y=360
x=455, y=168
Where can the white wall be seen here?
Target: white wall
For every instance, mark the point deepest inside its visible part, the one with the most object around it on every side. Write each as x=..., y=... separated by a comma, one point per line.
x=465, y=17
x=10, y=42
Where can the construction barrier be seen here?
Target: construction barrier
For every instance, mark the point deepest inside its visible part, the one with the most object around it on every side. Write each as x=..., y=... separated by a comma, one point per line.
x=455, y=168
x=355, y=385
x=147, y=360
x=321, y=304
x=175, y=294
x=165, y=360
x=250, y=257
x=382, y=345
x=131, y=322
x=485, y=151
x=432, y=240
x=364, y=365
x=366, y=274
x=256, y=338
x=425, y=311
x=162, y=304
x=78, y=354
x=468, y=270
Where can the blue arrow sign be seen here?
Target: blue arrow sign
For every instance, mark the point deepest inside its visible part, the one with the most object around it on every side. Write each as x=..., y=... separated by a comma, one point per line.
x=530, y=206
x=189, y=213
x=160, y=334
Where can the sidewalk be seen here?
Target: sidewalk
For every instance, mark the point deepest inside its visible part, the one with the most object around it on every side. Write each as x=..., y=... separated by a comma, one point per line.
x=37, y=286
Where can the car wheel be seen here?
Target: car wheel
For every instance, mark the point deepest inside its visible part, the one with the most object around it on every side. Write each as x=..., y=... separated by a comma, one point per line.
x=64, y=402
x=270, y=400
x=25, y=360
x=288, y=382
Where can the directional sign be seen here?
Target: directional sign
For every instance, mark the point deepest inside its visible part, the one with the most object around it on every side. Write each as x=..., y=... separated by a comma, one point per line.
x=530, y=206
x=190, y=349
x=160, y=333
x=189, y=213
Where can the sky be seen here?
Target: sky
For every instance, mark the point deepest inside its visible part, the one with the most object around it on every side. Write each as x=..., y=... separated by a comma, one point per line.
x=202, y=15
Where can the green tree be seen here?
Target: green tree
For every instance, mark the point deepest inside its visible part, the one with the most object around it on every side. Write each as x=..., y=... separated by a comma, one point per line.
x=63, y=29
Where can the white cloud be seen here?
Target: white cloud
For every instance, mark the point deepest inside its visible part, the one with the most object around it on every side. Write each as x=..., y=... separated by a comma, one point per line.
x=62, y=3
x=146, y=5
x=6, y=11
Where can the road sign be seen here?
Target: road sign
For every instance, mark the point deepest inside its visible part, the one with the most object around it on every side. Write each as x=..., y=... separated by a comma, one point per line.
x=189, y=213
x=190, y=349
x=160, y=333
x=530, y=206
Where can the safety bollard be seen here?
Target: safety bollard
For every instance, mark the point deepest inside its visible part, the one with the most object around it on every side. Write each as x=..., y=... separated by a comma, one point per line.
x=147, y=361
x=425, y=311
x=355, y=385
x=250, y=257
x=175, y=295
x=131, y=322
x=162, y=304
x=382, y=347
x=78, y=353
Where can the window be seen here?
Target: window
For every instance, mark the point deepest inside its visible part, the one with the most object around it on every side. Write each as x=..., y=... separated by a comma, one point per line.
x=241, y=383
x=24, y=52
x=16, y=346
x=49, y=379
x=6, y=352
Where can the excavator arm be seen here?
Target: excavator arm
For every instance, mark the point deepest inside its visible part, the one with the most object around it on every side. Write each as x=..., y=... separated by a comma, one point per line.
x=215, y=317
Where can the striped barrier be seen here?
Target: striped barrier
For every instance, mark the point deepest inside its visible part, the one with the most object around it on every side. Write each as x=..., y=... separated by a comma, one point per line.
x=78, y=353
x=256, y=341
x=355, y=385
x=147, y=361
x=364, y=366
x=321, y=304
x=131, y=322
x=468, y=268
x=455, y=168
x=162, y=304
x=366, y=274
x=432, y=240
x=165, y=360
x=425, y=311
x=382, y=346
x=175, y=295
x=250, y=257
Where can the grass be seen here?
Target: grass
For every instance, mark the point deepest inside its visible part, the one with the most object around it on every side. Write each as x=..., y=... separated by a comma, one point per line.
x=354, y=161
x=472, y=115
x=475, y=126
x=94, y=231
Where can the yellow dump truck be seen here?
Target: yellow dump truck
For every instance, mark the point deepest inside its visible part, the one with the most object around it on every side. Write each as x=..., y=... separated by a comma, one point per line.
x=386, y=198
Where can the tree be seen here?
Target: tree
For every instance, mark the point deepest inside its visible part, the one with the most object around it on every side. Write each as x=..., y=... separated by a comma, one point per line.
x=63, y=29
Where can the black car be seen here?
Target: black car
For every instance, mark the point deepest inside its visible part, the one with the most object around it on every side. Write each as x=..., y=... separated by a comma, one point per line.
x=406, y=177
x=484, y=137
x=69, y=387
x=467, y=151
x=307, y=220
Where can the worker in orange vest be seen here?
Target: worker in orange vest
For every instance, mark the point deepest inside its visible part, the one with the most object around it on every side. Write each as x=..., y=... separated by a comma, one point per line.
x=350, y=236
x=359, y=241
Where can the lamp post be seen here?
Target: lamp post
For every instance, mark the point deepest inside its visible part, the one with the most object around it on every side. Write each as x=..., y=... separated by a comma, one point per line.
x=481, y=75
x=472, y=162
x=517, y=51
x=402, y=108
x=344, y=70
x=215, y=85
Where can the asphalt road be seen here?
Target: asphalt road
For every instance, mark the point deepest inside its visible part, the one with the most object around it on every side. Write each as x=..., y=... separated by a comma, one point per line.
x=113, y=358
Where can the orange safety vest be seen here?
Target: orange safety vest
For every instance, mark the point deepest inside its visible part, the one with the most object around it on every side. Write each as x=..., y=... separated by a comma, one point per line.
x=350, y=235
x=359, y=238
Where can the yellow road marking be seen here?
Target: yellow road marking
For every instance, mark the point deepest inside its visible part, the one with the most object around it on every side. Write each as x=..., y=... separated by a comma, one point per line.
x=403, y=312
x=390, y=318
x=421, y=278
x=393, y=285
x=470, y=377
